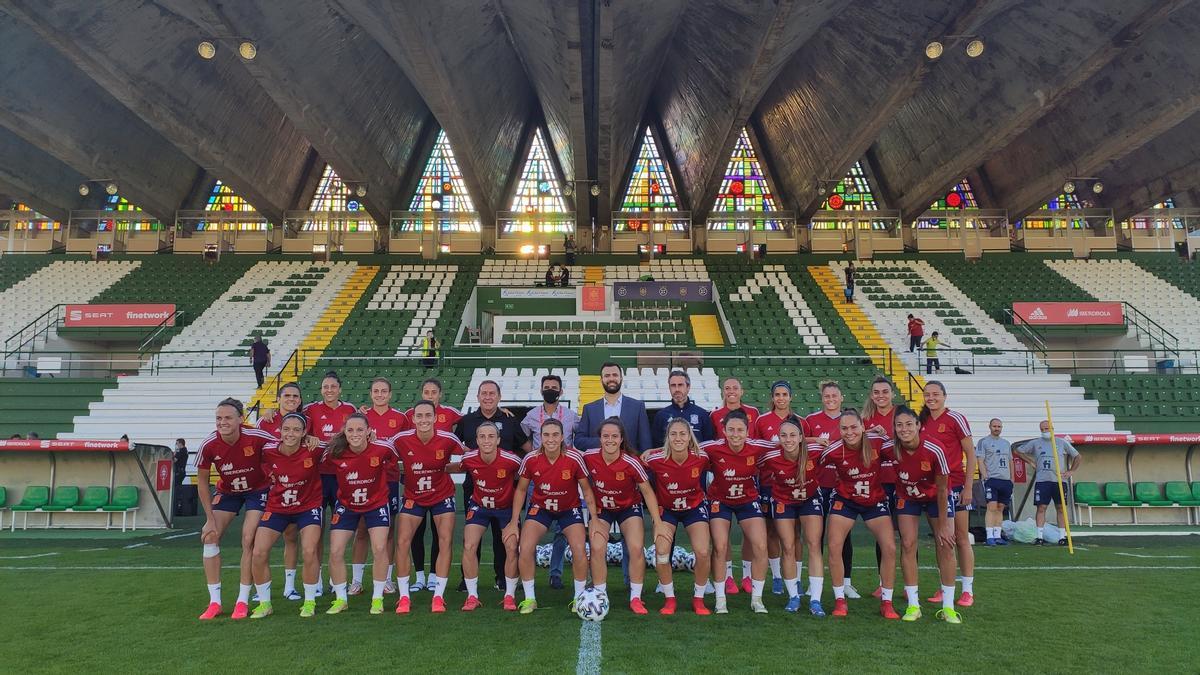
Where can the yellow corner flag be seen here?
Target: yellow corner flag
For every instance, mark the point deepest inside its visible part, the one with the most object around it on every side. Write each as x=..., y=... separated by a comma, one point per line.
x=1058, y=474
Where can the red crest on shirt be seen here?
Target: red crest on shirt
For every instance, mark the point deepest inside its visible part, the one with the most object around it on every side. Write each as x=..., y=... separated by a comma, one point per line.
x=501, y=473
x=925, y=466
x=442, y=418
x=248, y=451
x=374, y=461
x=441, y=454
x=941, y=428
x=566, y=474
x=695, y=472
x=750, y=460
x=308, y=463
x=620, y=475
x=392, y=423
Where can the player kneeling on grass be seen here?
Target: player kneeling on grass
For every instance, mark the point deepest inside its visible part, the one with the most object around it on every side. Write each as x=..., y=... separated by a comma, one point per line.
x=795, y=496
x=620, y=483
x=857, y=460
x=360, y=466
x=493, y=473
x=236, y=452
x=923, y=488
x=678, y=470
x=558, y=476
x=293, y=502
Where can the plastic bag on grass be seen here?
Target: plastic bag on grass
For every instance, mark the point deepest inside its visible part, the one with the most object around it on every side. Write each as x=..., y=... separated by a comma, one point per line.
x=1025, y=531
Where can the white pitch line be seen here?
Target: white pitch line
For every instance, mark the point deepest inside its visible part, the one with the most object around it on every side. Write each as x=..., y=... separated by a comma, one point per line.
x=139, y=545
x=91, y=550
x=26, y=557
x=589, y=649
x=180, y=536
x=1139, y=555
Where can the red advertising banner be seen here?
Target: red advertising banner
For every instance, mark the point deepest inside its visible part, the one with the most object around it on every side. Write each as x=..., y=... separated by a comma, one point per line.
x=593, y=298
x=1133, y=439
x=65, y=446
x=118, y=316
x=1070, y=313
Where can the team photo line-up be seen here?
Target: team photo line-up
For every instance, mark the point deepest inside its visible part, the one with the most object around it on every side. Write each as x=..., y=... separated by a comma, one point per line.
x=791, y=482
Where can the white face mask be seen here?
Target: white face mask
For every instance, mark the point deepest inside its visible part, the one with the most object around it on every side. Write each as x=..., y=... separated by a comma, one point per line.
x=1046, y=435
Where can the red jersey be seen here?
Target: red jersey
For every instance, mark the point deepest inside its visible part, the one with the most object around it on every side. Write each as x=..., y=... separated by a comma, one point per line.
x=949, y=429
x=678, y=486
x=239, y=464
x=887, y=473
x=361, y=476
x=324, y=422
x=821, y=425
x=919, y=469
x=916, y=327
x=447, y=418
x=425, y=479
x=385, y=426
x=718, y=418
x=271, y=427
x=494, y=482
x=555, y=484
x=786, y=489
x=734, y=472
x=856, y=482
x=616, y=484
x=295, y=479
x=766, y=428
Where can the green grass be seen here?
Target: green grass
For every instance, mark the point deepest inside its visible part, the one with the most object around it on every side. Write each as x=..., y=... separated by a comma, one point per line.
x=1038, y=610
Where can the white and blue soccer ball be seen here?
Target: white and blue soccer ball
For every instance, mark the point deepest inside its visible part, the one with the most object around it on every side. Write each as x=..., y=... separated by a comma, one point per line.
x=543, y=555
x=591, y=604
x=679, y=558
x=614, y=553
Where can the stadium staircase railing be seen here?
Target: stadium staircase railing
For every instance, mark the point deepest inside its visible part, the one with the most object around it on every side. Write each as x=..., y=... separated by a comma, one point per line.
x=51, y=318
x=1160, y=338
x=156, y=337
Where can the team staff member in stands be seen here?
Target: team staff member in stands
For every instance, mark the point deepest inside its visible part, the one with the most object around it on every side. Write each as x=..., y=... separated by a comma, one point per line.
x=924, y=489
x=445, y=420
x=678, y=469
x=877, y=415
x=493, y=471
x=236, y=452
x=288, y=400
x=951, y=430
x=794, y=495
x=425, y=452
x=559, y=476
x=733, y=493
x=731, y=394
x=679, y=384
x=385, y=422
x=551, y=408
x=512, y=439
x=994, y=457
x=766, y=427
x=1040, y=453
x=294, y=501
x=856, y=459
x=620, y=484
x=823, y=428
x=360, y=465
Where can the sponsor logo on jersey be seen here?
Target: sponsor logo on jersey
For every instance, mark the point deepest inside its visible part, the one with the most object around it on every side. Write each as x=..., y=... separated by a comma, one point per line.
x=544, y=487
x=228, y=466
x=283, y=479
x=852, y=471
x=672, y=486
x=327, y=429
x=417, y=467
x=353, y=475
x=903, y=475
x=599, y=484
x=730, y=473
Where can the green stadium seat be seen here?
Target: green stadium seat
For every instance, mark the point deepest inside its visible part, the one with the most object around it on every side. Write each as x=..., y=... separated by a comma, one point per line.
x=1088, y=492
x=1176, y=491
x=1118, y=494
x=35, y=497
x=124, y=501
x=94, y=498
x=1149, y=493
x=65, y=496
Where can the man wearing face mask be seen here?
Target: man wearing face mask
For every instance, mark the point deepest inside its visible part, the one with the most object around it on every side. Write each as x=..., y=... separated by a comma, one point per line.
x=532, y=425
x=1040, y=453
x=681, y=407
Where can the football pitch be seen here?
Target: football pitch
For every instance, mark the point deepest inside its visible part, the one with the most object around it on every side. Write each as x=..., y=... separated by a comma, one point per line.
x=106, y=602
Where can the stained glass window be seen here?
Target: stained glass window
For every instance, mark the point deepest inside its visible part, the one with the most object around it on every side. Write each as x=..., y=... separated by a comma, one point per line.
x=442, y=189
x=224, y=199
x=852, y=193
x=1144, y=223
x=744, y=189
x=539, y=192
x=961, y=196
x=119, y=204
x=650, y=187
x=333, y=195
x=33, y=224
x=1062, y=201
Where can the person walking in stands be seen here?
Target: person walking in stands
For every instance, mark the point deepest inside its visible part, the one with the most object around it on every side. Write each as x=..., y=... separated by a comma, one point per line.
x=681, y=407
x=916, y=331
x=429, y=349
x=260, y=358
x=569, y=249
x=995, y=469
x=532, y=426
x=1040, y=453
x=850, y=272
x=932, y=363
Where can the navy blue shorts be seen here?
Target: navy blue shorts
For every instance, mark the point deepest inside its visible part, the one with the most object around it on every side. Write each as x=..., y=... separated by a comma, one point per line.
x=564, y=519
x=764, y=502
x=998, y=490
x=329, y=489
x=909, y=507
x=890, y=489
x=477, y=515
x=345, y=519
x=727, y=512
x=808, y=507
x=956, y=494
x=280, y=521
x=826, y=496
x=394, y=496
x=234, y=503
x=621, y=516
x=411, y=508
x=1045, y=491
x=853, y=510
x=686, y=517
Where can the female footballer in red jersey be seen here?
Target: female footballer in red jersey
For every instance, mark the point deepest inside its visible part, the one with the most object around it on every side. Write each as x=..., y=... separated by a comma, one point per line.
x=620, y=484
x=236, y=453
x=924, y=489
x=795, y=498
x=360, y=466
x=823, y=429
x=446, y=418
x=856, y=458
x=951, y=430
x=289, y=400
x=733, y=493
x=425, y=452
x=678, y=469
x=326, y=418
x=294, y=501
x=877, y=414
x=766, y=428
x=558, y=476
x=731, y=395
x=493, y=472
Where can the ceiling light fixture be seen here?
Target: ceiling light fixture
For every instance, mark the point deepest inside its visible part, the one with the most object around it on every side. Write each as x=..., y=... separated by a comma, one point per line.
x=247, y=50
x=206, y=49
x=1097, y=187
x=933, y=50
x=595, y=190
x=975, y=48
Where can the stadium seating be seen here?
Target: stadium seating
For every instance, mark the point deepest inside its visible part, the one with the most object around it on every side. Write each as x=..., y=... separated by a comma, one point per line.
x=94, y=498
x=1172, y=494
x=46, y=405
x=523, y=272
x=35, y=498
x=1177, y=271
x=3, y=504
x=16, y=268
x=767, y=312
x=642, y=322
x=125, y=502
x=995, y=282
x=1145, y=403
